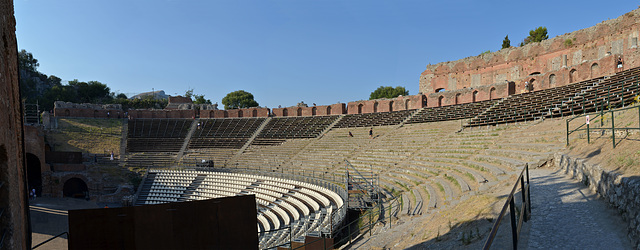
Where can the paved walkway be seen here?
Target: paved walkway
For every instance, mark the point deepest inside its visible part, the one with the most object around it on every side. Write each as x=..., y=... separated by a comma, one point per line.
x=567, y=215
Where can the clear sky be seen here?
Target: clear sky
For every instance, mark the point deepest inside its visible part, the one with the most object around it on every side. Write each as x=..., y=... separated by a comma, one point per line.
x=282, y=51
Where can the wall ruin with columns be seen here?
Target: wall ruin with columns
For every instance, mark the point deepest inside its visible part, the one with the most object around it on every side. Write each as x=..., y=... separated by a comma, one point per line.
x=565, y=59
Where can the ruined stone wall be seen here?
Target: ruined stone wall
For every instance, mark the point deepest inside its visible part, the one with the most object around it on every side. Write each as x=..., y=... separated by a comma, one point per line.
x=621, y=192
x=13, y=194
x=34, y=144
x=568, y=58
x=334, y=109
x=235, y=113
x=387, y=105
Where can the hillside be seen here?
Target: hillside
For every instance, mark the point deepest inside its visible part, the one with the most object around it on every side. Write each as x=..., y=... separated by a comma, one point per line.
x=93, y=136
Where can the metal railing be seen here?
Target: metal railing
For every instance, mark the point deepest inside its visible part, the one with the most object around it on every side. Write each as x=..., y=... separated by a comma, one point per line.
x=525, y=209
x=364, y=223
x=601, y=116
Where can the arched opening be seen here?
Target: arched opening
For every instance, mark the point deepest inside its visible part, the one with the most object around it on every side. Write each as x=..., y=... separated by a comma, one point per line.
x=254, y=113
x=440, y=101
x=573, y=75
x=285, y=112
x=328, y=110
x=375, y=107
x=595, y=70
x=407, y=104
x=313, y=111
x=424, y=101
x=76, y=188
x=530, y=85
x=34, y=174
x=67, y=113
x=440, y=90
x=457, y=98
x=240, y=113
x=212, y=114
x=390, y=106
x=475, y=96
x=95, y=114
x=225, y=114
x=534, y=73
x=492, y=93
x=552, y=80
x=360, y=108
x=299, y=112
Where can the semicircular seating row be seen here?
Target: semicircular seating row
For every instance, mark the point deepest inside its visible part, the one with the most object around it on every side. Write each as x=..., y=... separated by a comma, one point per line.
x=280, y=202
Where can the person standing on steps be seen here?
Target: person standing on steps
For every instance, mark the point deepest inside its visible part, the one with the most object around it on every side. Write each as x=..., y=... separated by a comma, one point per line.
x=371, y=133
x=350, y=134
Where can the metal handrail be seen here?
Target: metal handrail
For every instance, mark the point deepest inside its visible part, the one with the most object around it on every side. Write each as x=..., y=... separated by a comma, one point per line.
x=525, y=213
x=601, y=115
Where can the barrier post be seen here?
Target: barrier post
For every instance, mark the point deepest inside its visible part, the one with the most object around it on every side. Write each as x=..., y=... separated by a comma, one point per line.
x=514, y=227
x=524, y=194
x=567, y=132
x=528, y=191
x=613, y=129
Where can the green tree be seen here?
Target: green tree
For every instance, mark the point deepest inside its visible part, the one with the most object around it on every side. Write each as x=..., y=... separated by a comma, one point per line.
x=537, y=35
x=388, y=92
x=121, y=96
x=199, y=99
x=27, y=62
x=506, y=43
x=239, y=99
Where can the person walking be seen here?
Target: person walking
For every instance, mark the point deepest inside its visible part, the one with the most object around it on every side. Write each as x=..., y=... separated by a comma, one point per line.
x=371, y=133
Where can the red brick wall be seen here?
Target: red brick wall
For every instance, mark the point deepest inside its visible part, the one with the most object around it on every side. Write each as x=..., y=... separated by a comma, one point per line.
x=234, y=113
x=553, y=58
x=179, y=99
x=386, y=105
x=13, y=192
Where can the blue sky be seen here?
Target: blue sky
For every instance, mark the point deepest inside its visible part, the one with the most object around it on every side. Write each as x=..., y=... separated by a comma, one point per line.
x=283, y=51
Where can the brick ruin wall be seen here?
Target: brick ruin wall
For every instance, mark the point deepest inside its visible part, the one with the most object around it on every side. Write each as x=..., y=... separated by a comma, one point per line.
x=591, y=52
x=13, y=193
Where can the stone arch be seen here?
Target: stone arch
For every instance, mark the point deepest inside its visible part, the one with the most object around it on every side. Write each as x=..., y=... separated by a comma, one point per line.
x=440, y=90
x=407, y=104
x=34, y=173
x=328, y=110
x=285, y=112
x=595, y=70
x=390, y=106
x=360, y=108
x=225, y=114
x=457, y=101
x=67, y=112
x=440, y=99
x=375, y=107
x=299, y=112
x=313, y=111
x=76, y=188
x=212, y=114
x=492, y=93
x=530, y=86
x=552, y=80
x=254, y=113
x=240, y=113
x=95, y=113
x=424, y=101
x=573, y=75
x=475, y=96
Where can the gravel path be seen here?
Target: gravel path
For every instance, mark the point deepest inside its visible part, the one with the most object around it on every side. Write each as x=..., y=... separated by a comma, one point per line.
x=567, y=215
